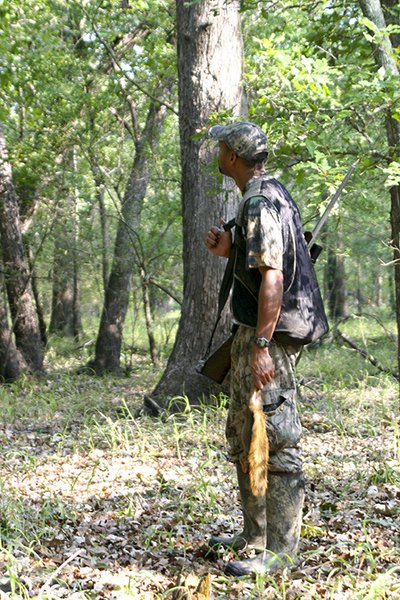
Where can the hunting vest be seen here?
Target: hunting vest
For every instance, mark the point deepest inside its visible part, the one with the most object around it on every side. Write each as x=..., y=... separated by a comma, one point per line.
x=302, y=318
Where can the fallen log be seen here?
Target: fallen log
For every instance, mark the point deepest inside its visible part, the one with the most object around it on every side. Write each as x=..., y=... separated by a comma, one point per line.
x=365, y=354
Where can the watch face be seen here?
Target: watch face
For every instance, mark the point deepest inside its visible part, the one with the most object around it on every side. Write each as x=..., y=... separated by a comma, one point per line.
x=261, y=342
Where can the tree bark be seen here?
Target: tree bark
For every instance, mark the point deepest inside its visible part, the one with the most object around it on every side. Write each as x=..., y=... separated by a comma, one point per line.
x=11, y=361
x=104, y=226
x=359, y=294
x=210, y=73
x=104, y=233
x=36, y=295
x=148, y=313
x=384, y=57
x=17, y=279
x=65, y=310
x=336, y=279
x=109, y=339
x=62, y=306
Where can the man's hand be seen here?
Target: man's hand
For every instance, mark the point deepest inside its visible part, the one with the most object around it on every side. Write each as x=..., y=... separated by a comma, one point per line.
x=262, y=367
x=219, y=241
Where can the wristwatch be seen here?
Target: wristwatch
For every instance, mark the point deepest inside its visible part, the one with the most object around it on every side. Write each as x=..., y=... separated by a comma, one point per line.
x=262, y=342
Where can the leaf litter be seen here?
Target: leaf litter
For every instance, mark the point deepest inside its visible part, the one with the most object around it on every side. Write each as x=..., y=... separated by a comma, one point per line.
x=97, y=502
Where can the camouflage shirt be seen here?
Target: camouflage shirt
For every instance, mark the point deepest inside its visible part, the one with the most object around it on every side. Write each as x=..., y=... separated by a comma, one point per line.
x=263, y=232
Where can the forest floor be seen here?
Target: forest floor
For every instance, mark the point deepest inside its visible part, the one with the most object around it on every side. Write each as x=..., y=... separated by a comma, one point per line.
x=97, y=502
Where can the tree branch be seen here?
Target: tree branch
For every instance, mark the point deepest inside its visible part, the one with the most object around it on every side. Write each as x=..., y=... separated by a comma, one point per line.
x=365, y=354
x=165, y=290
x=123, y=122
x=115, y=60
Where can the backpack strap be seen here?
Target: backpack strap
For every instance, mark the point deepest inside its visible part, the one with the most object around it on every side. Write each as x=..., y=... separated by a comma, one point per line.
x=226, y=285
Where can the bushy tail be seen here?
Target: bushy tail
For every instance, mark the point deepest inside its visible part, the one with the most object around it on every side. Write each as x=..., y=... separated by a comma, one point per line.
x=258, y=451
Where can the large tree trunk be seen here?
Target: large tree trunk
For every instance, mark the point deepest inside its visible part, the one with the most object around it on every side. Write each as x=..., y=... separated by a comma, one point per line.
x=383, y=51
x=210, y=73
x=109, y=339
x=16, y=273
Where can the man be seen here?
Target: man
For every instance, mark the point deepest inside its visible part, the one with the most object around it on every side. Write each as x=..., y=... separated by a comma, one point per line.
x=271, y=260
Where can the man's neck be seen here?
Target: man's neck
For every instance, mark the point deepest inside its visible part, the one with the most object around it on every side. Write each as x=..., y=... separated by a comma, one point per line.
x=244, y=177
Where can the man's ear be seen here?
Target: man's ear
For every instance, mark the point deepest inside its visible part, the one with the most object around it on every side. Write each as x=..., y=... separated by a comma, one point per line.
x=233, y=157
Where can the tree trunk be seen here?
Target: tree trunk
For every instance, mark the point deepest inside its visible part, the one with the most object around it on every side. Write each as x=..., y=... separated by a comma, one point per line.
x=36, y=295
x=17, y=280
x=104, y=228
x=65, y=314
x=210, y=73
x=11, y=361
x=144, y=281
x=383, y=52
x=359, y=295
x=104, y=233
x=336, y=280
x=377, y=290
x=62, y=306
x=109, y=339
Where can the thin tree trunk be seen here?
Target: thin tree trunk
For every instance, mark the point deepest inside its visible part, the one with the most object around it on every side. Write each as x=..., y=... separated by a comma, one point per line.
x=392, y=296
x=104, y=228
x=384, y=57
x=210, y=73
x=76, y=302
x=109, y=339
x=12, y=363
x=144, y=280
x=76, y=298
x=104, y=234
x=377, y=289
x=62, y=311
x=65, y=310
x=19, y=290
x=38, y=303
x=336, y=279
x=359, y=294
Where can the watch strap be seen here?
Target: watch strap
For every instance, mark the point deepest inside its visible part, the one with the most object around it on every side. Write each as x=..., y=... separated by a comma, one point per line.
x=262, y=342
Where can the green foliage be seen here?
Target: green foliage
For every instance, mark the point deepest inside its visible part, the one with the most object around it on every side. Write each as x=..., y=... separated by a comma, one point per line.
x=312, y=85
x=73, y=75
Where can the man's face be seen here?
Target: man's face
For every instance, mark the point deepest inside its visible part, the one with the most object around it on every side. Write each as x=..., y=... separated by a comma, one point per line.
x=224, y=159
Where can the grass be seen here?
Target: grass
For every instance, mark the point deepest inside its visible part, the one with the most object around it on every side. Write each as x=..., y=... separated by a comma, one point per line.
x=98, y=503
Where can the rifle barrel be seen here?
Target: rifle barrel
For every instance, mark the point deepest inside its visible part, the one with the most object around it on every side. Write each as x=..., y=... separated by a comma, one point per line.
x=332, y=202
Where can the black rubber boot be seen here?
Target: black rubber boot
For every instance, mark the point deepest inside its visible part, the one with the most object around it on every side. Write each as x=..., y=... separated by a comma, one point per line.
x=284, y=506
x=254, y=519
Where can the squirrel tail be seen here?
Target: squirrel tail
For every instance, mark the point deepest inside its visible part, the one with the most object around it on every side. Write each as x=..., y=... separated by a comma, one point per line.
x=258, y=451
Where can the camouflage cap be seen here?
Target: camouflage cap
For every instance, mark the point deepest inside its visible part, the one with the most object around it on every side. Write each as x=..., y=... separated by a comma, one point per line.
x=246, y=139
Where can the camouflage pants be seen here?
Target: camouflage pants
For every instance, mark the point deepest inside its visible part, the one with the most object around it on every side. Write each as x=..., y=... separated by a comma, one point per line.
x=279, y=400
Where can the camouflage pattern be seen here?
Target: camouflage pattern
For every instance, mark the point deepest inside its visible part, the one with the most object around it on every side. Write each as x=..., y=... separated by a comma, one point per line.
x=283, y=515
x=263, y=233
x=279, y=399
x=254, y=513
x=246, y=139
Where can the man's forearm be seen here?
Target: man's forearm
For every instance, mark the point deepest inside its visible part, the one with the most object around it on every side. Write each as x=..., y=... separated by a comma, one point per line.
x=269, y=308
x=269, y=302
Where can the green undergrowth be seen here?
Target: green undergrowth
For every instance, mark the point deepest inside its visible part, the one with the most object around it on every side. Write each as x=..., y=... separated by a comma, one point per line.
x=98, y=500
